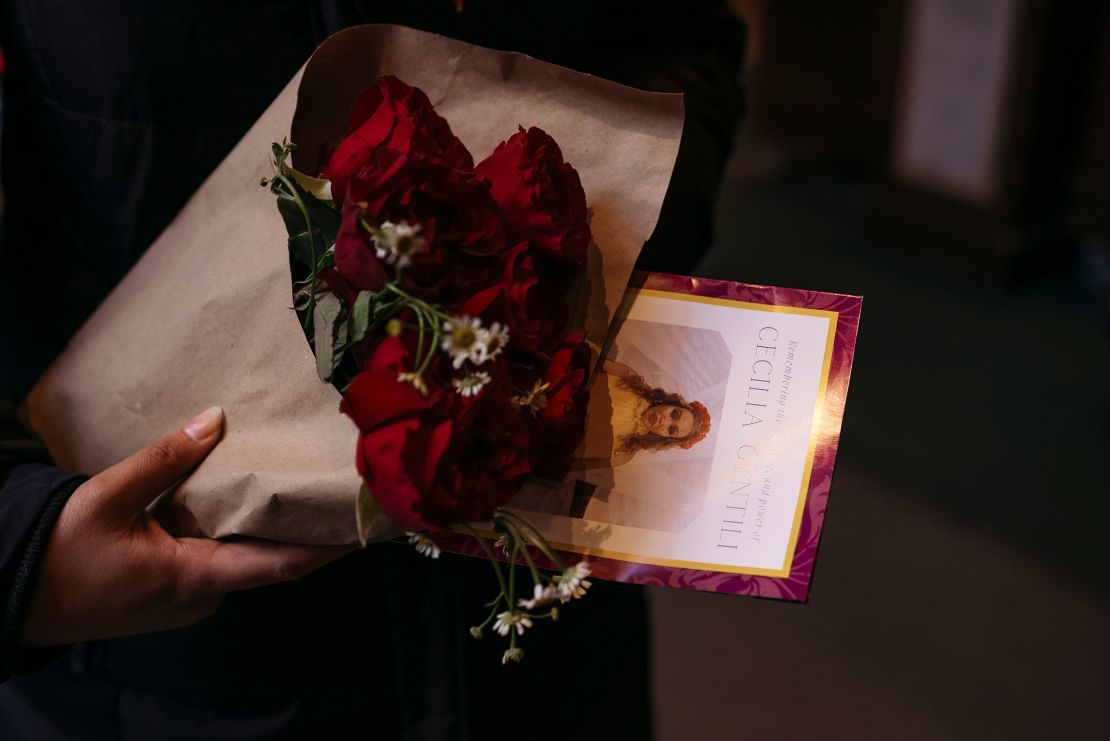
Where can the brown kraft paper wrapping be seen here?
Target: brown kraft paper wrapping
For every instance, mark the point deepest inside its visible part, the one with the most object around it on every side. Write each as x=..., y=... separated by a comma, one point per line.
x=204, y=317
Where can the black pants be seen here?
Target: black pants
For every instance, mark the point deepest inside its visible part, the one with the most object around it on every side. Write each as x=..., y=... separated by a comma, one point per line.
x=373, y=646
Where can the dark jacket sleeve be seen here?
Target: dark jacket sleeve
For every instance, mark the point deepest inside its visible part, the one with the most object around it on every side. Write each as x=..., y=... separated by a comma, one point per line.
x=127, y=130
x=32, y=494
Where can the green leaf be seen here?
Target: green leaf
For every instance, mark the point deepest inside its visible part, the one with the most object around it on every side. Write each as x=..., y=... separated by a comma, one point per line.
x=326, y=220
x=360, y=316
x=327, y=260
x=301, y=248
x=325, y=226
x=316, y=187
x=340, y=341
x=325, y=315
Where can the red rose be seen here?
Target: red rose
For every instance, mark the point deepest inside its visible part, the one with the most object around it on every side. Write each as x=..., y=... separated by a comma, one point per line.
x=536, y=303
x=436, y=459
x=393, y=115
x=484, y=460
x=392, y=415
x=541, y=196
x=562, y=414
x=356, y=267
x=460, y=223
x=567, y=373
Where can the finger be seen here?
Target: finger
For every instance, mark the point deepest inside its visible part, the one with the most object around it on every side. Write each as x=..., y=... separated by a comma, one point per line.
x=129, y=486
x=244, y=564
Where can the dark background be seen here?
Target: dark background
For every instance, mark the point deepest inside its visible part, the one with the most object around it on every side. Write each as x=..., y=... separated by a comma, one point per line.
x=961, y=588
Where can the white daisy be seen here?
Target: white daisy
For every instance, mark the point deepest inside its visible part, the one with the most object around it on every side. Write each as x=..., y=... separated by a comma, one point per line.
x=462, y=339
x=572, y=584
x=397, y=243
x=415, y=379
x=542, y=595
x=425, y=546
x=493, y=340
x=471, y=383
x=507, y=620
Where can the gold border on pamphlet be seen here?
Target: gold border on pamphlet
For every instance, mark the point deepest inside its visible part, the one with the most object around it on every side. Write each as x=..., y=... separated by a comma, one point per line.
x=814, y=436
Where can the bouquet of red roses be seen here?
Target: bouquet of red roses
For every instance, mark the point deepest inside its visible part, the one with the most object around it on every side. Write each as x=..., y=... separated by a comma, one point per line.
x=437, y=296
x=442, y=297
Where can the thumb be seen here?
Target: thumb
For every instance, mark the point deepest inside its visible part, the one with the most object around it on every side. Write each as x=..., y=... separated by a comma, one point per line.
x=128, y=487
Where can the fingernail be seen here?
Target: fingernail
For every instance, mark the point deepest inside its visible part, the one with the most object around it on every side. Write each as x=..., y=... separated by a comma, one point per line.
x=205, y=424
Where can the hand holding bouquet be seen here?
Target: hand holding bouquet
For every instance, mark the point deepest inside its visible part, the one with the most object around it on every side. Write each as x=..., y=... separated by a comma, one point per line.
x=444, y=298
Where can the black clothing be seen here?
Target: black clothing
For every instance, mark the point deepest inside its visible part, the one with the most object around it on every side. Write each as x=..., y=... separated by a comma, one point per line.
x=115, y=112
x=27, y=520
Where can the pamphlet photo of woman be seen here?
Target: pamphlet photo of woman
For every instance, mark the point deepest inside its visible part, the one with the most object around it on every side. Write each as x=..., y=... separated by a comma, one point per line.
x=646, y=455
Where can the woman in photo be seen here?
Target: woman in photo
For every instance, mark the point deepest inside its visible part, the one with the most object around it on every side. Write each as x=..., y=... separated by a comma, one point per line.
x=641, y=418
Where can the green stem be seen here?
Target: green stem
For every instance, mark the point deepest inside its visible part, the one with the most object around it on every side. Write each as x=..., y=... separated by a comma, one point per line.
x=490, y=556
x=518, y=538
x=296, y=198
x=536, y=537
x=544, y=616
x=492, y=613
x=436, y=334
x=512, y=577
x=419, y=341
x=433, y=311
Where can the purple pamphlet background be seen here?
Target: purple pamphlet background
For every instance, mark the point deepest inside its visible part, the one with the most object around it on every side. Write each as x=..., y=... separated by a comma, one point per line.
x=796, y=585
